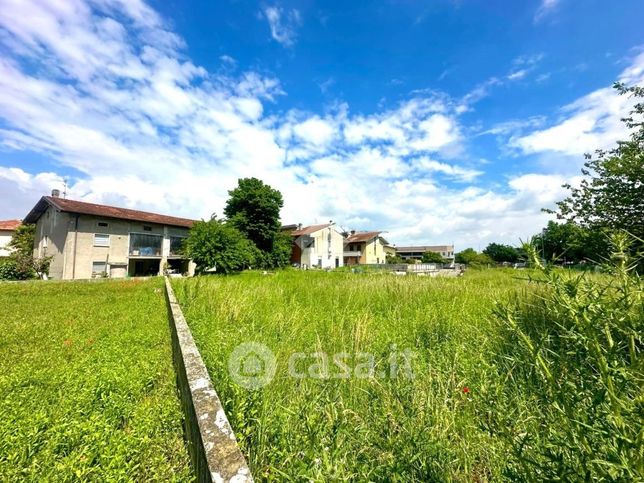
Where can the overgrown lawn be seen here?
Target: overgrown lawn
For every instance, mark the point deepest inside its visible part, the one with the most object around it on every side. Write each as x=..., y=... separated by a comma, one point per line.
x=429, y=427
x=87, y=388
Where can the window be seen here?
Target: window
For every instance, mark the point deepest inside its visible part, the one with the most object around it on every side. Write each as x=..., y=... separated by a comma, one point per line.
x=101, y=240
x=144, y=245
x=99, y=268
x=147, y=228
x=102, y=224
x=176, y=244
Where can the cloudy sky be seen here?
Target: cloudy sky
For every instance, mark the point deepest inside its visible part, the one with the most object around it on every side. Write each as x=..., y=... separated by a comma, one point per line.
x=437, y=121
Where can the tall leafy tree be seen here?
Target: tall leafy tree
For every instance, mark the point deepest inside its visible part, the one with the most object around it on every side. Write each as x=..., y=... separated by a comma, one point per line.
x=611, y=195
x=220, y=246
x=501, y=253
x=570, y=242
x=254, y=209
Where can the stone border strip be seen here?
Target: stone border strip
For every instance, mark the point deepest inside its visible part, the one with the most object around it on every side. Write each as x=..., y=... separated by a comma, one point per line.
x=211, y=442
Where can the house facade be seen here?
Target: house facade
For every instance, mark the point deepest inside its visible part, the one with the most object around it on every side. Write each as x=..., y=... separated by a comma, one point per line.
x=319, y=246
x=365, y=248
x=7, y=229
x=87, y=240
x=416, y=252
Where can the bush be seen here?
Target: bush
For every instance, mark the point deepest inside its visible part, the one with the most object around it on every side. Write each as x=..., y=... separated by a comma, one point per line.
x=573, y=353
x=10, y=269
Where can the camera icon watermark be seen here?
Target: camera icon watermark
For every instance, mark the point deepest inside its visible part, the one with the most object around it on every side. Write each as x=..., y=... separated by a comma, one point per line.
x=252, y=365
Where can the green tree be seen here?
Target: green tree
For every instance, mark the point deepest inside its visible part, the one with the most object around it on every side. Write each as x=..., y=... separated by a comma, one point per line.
x=21, y=263
x=254, y=208
x=432, y=257
x=502, y=253
x=466, y=256
x=611, y=194
x=482, y=260
x=395, y=259
x=570, y=242
x=219, y=245
x=22, y=241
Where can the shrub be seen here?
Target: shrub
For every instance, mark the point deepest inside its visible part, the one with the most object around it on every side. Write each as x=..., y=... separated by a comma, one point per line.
x=12, y=269
x=573, y=353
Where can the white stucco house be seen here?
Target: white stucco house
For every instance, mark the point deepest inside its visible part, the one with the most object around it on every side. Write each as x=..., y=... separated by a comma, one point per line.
x=7, y=229
x=319, y=246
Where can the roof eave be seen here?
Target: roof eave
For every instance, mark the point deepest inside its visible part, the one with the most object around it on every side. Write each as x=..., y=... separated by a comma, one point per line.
x=37, y=211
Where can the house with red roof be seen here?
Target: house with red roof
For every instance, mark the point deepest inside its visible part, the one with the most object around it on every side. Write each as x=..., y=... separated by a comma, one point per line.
x=7, y=229
x=366, y=248
x=317, y=246
x=88, y=240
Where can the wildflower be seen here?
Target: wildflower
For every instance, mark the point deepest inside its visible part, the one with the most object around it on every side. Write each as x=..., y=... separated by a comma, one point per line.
x=466, y=390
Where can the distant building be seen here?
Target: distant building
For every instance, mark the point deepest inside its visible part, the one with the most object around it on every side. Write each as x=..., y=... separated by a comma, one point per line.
x=88, y=240
x=7, y=229
x=416, y=252
x=368, y=247
x=320, y=246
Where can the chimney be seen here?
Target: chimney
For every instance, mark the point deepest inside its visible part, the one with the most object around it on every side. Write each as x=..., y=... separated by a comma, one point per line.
x=55, y=193
x=353, y=232
x=299, y=226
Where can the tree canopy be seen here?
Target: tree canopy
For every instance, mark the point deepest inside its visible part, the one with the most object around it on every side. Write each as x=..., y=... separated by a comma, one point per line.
x=471, y=257
x=220, y=246
x=250, y=236
x=570, y=242
x=501, y=253
x=254, y=209
x=611, y=194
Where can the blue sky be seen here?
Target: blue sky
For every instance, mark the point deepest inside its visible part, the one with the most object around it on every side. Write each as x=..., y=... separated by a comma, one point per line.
x=443, y=121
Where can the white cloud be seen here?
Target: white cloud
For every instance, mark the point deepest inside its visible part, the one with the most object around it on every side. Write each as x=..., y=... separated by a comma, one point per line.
x=591, y=122
x=113, y=100
x=315, y=131
x=457, y=172
x=283, y=24
x=545, y=9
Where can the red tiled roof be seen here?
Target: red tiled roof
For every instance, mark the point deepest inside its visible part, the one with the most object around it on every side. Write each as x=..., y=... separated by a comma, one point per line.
x=307, y=230
x=83, y=208
x=362, y=236
x=10, y=225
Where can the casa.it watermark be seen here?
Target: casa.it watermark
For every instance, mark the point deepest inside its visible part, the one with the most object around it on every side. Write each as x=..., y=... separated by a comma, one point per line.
x=253, y=365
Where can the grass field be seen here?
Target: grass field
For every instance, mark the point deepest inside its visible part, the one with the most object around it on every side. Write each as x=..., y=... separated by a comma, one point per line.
x=429, y=427
x=87, y=389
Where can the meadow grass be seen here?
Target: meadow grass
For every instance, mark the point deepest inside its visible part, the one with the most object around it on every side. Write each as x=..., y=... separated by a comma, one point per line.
x=433, y=426
x=87, y=388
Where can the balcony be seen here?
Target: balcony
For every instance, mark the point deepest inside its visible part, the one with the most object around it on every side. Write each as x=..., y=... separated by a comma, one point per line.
x=145, y=245
x=352, y=253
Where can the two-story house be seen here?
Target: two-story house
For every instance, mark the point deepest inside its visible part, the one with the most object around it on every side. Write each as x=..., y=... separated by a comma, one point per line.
x=88, y=240
x=320, y=246
x=416, y=252
x=365, y=248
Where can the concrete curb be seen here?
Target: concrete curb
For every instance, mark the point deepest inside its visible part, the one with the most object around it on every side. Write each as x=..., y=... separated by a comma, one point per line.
x=211, y=442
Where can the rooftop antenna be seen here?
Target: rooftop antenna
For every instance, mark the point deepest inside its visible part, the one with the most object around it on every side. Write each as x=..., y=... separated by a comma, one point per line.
x=64, y=188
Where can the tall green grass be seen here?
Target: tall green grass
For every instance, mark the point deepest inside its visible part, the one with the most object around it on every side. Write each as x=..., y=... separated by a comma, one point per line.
x=87, y=389
x=432, y=427
x=572, y=353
